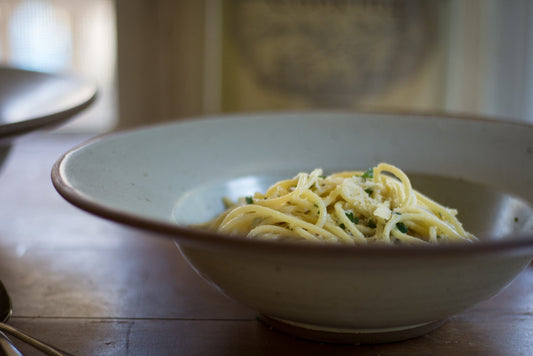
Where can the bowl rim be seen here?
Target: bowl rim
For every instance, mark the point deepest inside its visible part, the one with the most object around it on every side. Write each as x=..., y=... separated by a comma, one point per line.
x=194, y=237
x=10, y=130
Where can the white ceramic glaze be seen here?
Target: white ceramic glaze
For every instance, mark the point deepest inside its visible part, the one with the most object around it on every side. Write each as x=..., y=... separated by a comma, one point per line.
x=164, y=177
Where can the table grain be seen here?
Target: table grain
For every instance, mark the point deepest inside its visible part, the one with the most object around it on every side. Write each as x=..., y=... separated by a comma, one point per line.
x=93, y=287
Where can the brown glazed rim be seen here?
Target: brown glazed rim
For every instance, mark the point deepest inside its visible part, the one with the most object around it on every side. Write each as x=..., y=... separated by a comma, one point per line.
x=197, y=238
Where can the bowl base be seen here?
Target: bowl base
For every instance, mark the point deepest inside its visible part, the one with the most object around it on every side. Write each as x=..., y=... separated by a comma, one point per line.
x=349, y=336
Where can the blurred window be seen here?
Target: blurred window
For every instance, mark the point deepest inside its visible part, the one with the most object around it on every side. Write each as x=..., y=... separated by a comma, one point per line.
x=40, y=37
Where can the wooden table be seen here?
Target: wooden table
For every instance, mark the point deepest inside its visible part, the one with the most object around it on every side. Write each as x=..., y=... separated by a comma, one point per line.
x=92, y=287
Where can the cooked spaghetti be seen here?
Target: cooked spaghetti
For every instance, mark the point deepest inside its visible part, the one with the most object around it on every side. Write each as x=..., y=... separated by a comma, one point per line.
x=357, y=207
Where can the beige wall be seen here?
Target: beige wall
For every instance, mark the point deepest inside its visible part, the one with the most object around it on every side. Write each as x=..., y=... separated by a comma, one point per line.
x=179, y=59
x=160, y=60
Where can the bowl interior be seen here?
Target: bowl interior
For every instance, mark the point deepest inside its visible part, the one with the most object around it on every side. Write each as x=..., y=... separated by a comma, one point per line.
x=179, y=172
x=484, y=211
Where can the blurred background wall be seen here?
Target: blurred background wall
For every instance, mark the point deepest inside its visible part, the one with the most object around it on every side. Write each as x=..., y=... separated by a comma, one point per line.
x=163, y=59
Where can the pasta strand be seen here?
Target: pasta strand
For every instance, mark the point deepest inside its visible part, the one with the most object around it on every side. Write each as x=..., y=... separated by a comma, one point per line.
x=353, y=207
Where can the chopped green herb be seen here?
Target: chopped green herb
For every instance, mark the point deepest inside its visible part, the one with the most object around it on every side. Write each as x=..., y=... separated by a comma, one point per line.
x=516, y=219
x=315, y=205
x=369, y=173
x=401, y=226
x=322, y=177
x=352, y=218
x=369, y=191
x=397, y=213
x=249, y=200
x=371, y=224
x=342, y=226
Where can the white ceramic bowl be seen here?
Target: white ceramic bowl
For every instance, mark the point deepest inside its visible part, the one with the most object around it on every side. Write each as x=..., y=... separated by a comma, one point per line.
x=164, y=177
x=32, y=100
